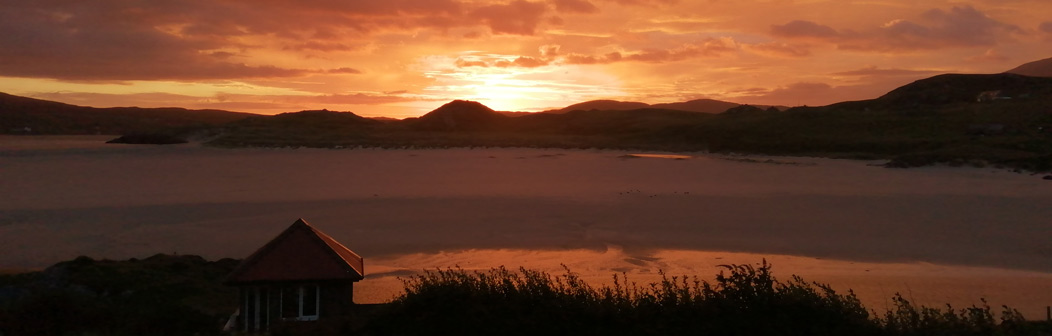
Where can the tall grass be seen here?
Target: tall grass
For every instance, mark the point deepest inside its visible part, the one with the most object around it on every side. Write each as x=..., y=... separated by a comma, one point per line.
x=743, y=300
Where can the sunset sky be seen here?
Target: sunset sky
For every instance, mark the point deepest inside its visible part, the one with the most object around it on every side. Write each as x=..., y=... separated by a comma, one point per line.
x=402, y=58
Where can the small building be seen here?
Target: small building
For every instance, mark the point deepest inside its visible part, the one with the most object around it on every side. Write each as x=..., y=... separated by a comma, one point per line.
x=303, y=279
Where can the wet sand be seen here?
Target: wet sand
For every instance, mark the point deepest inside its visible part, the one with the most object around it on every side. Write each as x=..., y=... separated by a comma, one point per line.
x=942, y=235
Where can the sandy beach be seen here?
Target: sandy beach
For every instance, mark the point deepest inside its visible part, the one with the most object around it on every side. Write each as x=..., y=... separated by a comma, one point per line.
x=936, y=234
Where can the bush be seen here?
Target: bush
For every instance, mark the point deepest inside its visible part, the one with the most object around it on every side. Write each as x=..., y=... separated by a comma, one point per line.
x=747, y=301
x=743, y=300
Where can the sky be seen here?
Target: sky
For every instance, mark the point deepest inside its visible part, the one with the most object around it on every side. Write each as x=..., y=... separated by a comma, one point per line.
x=403, y=58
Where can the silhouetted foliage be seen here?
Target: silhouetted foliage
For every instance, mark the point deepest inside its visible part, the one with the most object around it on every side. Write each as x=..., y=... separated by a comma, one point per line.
x=160, y=295
x=149, y=139
x=743, y=300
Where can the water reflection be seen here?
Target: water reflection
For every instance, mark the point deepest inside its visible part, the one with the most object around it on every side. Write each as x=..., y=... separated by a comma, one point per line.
x=874, y=283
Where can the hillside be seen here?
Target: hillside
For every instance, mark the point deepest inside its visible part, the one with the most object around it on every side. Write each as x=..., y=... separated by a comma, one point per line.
x=1041, y=68
x=22, y=115
x=1001, y=120
x=697, y=105
x=459, y=115
x=296, y=129
x=601, y=105
x=959, y=119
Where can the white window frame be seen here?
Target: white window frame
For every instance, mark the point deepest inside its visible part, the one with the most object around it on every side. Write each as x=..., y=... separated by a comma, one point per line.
x=301, y=293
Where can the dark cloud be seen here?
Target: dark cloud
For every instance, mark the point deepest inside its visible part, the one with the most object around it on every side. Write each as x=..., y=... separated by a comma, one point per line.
x=516, y=18
x=192, y=40
x=321, y=46
x=962, y=26
x=712, y=47
x=575, y=6
x=1045, y=27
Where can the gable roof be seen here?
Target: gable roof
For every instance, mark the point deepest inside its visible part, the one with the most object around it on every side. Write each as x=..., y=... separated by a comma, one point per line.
x=300, y=253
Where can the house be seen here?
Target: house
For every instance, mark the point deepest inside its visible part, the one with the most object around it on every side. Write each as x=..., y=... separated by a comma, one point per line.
x=303, y=279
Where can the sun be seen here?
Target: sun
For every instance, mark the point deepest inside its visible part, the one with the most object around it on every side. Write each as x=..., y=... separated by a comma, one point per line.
x=512, y=88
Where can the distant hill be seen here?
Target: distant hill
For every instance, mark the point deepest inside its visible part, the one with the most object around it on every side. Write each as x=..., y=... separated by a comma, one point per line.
x=304, y=128
x=309, y=119
x=958, y=88
x=22, y=115
x=605, y=122
x=602, y=105
x=697, y=105
x=459, y=115
x=1042, y=68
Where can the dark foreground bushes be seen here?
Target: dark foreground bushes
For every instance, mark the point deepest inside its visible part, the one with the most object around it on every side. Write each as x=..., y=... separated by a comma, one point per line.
x=744, y=300
x=160, y=295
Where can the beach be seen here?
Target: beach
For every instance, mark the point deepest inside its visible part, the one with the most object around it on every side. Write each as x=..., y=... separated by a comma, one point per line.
x=934, y=234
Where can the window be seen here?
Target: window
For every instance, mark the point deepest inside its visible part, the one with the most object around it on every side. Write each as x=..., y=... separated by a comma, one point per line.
x=301, y=303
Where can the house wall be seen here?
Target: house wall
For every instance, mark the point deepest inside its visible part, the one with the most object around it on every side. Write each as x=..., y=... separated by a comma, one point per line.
x=261, y=307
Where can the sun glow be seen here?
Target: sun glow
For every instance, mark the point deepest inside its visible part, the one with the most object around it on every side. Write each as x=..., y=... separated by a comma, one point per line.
x=489, y=80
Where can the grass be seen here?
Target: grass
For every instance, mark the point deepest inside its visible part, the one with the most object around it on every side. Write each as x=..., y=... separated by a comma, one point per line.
x=743, y=300
x=183, y=295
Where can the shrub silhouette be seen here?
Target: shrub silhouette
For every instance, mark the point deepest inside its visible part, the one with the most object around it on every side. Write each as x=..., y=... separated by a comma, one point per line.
x=743, y=300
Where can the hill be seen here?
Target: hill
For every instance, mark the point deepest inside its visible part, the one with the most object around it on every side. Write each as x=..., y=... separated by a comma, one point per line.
x=1000, y=120
x=602, y=105
x=959, y=119
x=1041, y=68
x=959, y=88
x=304, y=128
x=22, y=115
x=459, y=115
x=697, y=105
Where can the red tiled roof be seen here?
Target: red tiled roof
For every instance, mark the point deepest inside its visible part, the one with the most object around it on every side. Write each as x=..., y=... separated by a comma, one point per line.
x=300, y=253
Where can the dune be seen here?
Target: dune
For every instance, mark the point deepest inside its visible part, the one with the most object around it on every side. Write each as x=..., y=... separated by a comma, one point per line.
x=960, y=233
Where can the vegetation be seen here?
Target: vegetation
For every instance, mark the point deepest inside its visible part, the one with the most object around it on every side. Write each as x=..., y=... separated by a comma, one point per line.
x=149, y=139
x=745, y=301
x=184, y=295
x=159, y=295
